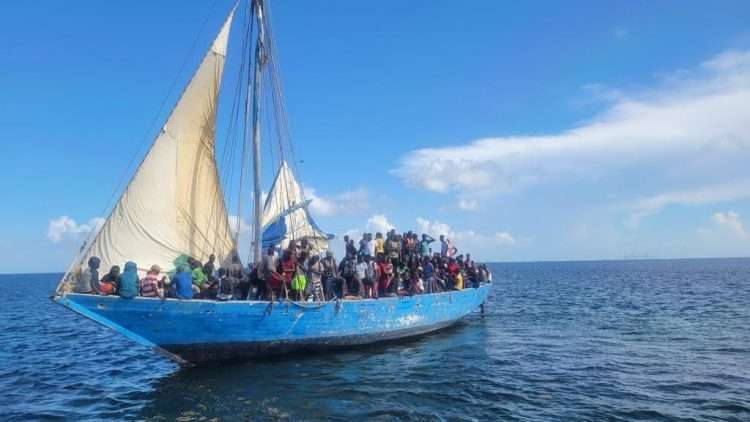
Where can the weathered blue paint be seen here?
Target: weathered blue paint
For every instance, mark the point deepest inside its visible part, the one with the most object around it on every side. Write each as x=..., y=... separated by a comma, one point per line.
x=203, y=330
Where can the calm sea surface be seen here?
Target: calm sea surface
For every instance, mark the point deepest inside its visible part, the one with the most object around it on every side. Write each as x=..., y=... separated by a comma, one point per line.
x=653, y=340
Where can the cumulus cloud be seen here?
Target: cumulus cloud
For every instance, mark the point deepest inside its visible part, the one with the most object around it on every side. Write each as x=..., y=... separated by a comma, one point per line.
x=65, y=227
x=702, y=195
x=505, y=238
x=731, y=222
x=379, y=223
x=348, y=202
x=697, y=115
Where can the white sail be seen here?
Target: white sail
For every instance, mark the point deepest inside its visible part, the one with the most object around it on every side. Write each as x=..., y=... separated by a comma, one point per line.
x=174, y=204
x=285, y=215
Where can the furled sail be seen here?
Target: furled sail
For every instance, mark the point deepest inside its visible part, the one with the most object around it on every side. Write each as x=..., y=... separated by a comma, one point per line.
x=174, y=204
x=286, y=217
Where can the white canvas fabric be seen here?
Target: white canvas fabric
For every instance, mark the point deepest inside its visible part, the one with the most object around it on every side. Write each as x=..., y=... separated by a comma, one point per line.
x=286, y=193
x=174, y=204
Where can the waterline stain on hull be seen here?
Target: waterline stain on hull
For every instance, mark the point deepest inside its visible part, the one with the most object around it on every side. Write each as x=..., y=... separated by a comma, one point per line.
x=199, y=331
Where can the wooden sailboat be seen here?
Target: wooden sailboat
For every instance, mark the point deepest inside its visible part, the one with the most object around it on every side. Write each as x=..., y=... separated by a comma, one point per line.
x=174, y=206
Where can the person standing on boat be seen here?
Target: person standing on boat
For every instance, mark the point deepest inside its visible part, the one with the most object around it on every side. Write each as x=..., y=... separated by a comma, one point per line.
x=349, y=247
x=330, y=274
x=348, y=270
x=369, y=281
x=89, y=278
x=370, y=247
x=314, y=277
x=128, y=282
x=385, y=270
x=379, y=244
x=235, y=275
x=393, y=249
x=288, y=268
x=424, y=245
x=428, y=274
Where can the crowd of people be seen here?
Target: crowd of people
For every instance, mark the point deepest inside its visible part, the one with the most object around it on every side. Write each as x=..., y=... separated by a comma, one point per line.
x=379, y=266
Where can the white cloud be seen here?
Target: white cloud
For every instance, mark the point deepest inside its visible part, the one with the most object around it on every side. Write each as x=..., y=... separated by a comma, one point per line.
x=64, y=226
x=468, y=204
x=703, y=195
x=378, y=223
x=731, y=222
x=244, y=226
x=434, y=228
x=505, y=238
x=695, y=117
x=348, y=202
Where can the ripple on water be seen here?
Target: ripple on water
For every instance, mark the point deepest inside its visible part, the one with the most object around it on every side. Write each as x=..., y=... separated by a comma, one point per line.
x=647, y=340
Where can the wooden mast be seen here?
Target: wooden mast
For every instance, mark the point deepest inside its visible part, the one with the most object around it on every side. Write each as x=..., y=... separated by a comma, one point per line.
x=260, y=61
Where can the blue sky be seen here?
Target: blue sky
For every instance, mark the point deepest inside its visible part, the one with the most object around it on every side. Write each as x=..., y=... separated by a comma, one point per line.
x=525, y=130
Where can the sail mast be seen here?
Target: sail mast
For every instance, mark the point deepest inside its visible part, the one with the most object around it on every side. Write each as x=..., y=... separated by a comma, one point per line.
x=260, y=60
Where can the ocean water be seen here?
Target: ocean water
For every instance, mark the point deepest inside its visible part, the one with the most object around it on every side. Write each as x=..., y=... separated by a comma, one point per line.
x=617, y=340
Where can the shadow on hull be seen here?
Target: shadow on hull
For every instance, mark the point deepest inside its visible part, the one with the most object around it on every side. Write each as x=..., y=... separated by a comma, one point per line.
x=201, y=331
x=202, y=354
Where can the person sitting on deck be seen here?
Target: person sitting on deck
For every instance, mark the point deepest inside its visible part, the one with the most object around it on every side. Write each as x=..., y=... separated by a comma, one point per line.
x=199, y=277
x=109, y=281
x=452, y=270
x=150, y=283
x=208, y=269
x=225, y=288
x=428, y=274
x=416, y=284
x=401, y=284
x=458, y=281
x=183, y=283
x=89, y=278
x=127, y=283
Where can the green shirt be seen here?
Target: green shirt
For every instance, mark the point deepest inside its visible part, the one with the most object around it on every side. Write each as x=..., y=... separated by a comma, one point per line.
x=198, y=277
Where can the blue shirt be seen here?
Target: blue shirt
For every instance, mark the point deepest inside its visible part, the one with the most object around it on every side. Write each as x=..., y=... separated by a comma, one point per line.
x=428, y=270
x=183, y=285
x=424, y=247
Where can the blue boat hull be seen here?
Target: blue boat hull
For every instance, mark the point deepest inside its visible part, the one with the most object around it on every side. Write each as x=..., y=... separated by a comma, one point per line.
x=198, y=331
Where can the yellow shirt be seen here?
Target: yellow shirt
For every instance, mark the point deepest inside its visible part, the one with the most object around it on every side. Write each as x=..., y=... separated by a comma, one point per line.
x=379, y=246
x=459, y=281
